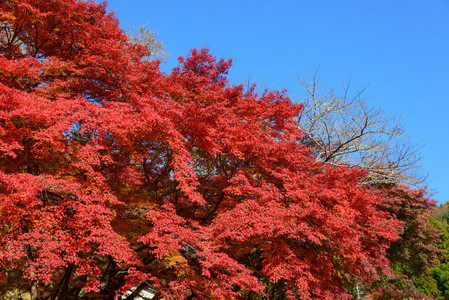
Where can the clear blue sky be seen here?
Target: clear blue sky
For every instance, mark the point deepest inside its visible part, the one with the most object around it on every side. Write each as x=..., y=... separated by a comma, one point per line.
x=400, y=48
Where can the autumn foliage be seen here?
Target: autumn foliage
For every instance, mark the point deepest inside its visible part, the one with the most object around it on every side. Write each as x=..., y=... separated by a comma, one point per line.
x=113, y=174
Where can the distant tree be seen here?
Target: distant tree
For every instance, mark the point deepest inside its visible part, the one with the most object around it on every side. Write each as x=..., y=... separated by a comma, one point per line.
x=346, y=129
x=147, y=37
x=440, y=211
x=440, y=273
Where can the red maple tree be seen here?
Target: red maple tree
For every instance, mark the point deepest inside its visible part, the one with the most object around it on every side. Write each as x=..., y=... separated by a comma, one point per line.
x=114, y=174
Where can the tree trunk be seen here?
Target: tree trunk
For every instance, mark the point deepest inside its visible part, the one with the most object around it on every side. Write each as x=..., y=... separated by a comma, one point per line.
x=62, y=290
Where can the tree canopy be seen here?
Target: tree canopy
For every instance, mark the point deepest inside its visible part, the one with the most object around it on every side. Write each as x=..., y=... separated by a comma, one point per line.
x=115, y=175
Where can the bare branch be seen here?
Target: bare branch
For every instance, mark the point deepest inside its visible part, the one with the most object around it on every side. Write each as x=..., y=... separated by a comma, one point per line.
x=144, y=36
x=347, y=130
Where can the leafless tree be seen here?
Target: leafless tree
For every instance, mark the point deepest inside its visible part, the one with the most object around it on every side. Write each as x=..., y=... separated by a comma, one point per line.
x=145, y=36
x=347, y=130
